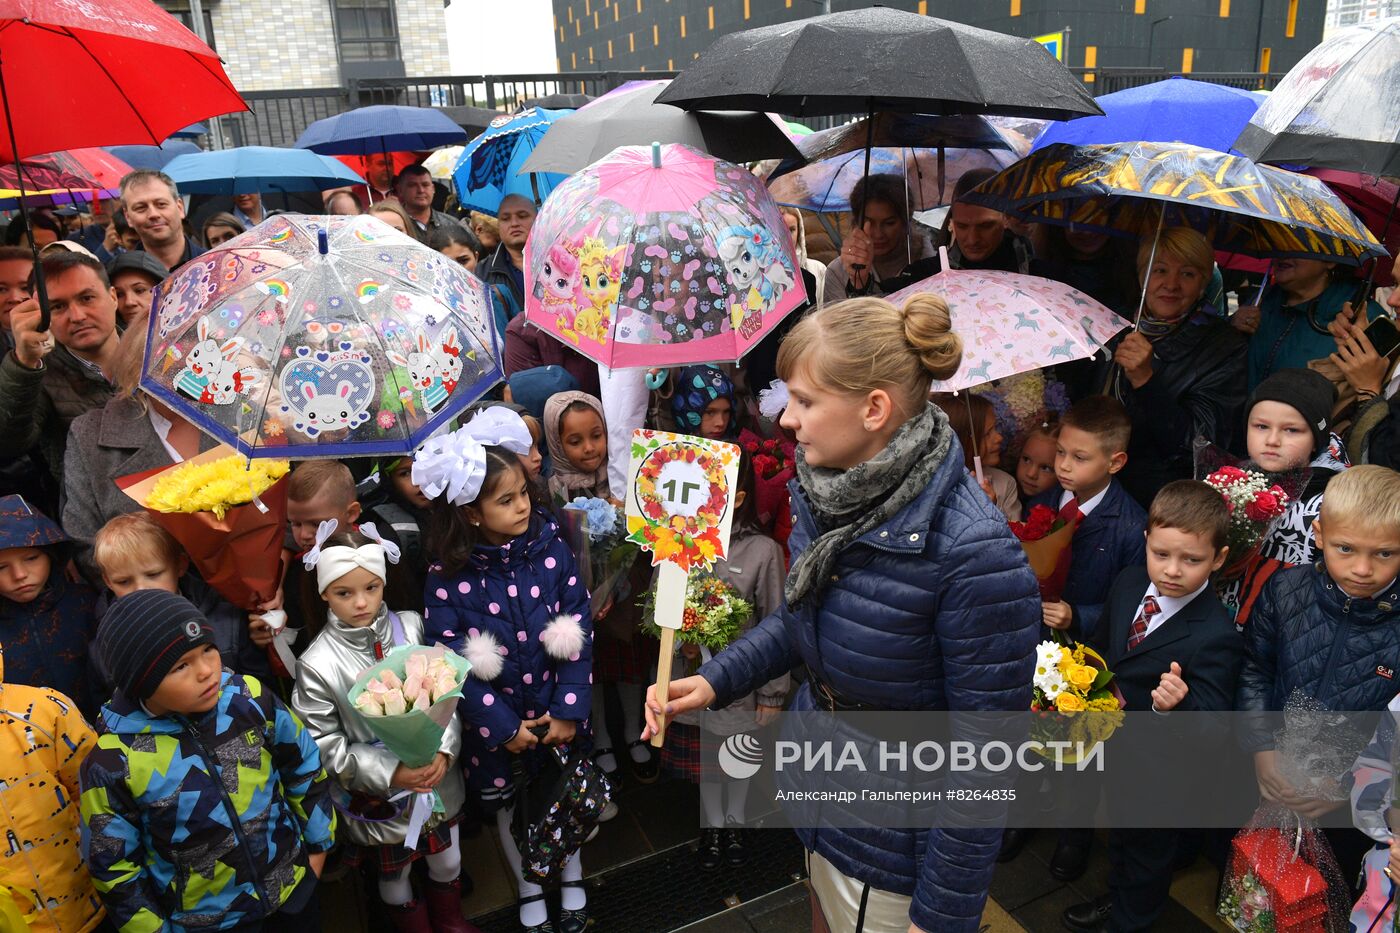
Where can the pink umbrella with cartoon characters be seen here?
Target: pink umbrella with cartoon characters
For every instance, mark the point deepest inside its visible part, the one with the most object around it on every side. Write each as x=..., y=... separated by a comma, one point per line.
x=660, y=256
x=313, y=336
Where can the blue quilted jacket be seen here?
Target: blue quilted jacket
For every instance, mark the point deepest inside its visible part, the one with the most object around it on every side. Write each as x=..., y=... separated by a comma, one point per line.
x=1305, y=634
x=936, y=609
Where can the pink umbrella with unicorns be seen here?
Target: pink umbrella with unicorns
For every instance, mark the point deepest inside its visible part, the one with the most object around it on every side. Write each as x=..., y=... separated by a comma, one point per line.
x=660, y=256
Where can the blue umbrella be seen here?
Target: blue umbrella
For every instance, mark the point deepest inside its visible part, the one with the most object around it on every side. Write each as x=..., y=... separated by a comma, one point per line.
x=489, y=168
x=258, y=169
x=153, y=158
x=1174, y=110
x=381, y=128
x=190, y=132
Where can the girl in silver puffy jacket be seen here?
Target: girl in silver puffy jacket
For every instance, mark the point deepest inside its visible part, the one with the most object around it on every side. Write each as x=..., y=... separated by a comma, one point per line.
x=360, y=630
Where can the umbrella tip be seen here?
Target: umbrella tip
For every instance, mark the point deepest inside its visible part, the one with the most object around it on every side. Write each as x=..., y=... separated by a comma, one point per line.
x=323, y=242
x=655, y=155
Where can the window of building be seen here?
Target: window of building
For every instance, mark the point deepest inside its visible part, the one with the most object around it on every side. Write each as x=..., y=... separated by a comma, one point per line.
x=180, y=9
x=367, y=30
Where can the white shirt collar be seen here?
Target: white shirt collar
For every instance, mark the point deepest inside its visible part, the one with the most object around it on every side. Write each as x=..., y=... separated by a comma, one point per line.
x=1085, y=507
x=1168, y=605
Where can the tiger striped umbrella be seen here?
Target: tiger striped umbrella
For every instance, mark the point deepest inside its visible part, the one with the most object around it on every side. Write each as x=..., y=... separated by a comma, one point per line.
x=1136, y=188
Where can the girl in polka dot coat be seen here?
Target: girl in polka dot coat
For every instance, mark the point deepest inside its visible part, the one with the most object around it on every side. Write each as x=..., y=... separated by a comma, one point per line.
x=505, y=591
x=518, y=611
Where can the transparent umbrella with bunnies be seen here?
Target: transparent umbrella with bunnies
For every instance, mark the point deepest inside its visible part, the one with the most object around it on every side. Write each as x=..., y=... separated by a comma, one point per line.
x=313, y=336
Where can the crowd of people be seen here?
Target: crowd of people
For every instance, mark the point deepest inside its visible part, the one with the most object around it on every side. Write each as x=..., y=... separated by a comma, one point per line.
x=192, y=781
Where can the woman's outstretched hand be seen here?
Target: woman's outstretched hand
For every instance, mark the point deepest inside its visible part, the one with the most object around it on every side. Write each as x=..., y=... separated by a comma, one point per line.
x=688, y=693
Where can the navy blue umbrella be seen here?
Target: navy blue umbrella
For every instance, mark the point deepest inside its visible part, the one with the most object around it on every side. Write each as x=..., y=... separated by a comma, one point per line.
x=190, y=132
x=153, y=158
x=1177, y=110
x=381, y=128
x=258, y=169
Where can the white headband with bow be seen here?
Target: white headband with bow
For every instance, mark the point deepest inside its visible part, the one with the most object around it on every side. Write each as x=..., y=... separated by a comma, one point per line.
x=455, y=465
x=334, y=562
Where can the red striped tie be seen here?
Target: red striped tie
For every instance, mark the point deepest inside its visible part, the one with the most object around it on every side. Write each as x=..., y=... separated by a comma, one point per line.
x=1139, y=630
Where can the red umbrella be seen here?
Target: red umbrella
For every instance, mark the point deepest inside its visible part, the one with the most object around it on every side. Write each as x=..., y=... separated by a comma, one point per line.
x=1374, y=200
x=77, y=73
x=85, y=169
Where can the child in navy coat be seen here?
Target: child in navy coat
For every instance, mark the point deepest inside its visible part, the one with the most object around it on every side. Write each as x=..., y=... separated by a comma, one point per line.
x=506, y=592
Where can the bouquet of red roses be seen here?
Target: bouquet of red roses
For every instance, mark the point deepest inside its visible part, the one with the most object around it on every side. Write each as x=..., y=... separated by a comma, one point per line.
x=1045, y=537
x=774, y=463
x=1253, y=502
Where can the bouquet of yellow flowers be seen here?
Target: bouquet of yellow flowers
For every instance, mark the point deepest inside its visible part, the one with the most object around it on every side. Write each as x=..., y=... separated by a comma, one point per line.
x=1070, y=679
x=228, y=514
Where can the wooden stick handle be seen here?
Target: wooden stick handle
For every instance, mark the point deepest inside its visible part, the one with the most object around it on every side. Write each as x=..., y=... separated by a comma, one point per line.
x=663, y=682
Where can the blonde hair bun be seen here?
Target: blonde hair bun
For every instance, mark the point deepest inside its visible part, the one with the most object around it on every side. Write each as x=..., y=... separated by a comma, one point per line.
x=928, y=327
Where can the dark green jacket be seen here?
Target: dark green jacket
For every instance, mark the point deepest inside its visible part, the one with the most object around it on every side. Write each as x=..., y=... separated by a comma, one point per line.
x=37, y=406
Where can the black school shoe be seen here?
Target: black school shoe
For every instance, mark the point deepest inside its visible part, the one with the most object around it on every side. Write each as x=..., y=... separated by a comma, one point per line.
x=1090, y=916
x=735, y=851
x=647, y=771
x=711, y=849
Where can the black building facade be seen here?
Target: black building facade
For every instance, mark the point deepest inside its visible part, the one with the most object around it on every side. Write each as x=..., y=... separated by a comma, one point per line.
x=1183, y=36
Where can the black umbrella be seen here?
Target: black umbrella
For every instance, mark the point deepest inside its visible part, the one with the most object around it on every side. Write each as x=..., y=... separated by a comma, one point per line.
x=879, y=59
x=474, y=120
x=558, y=102
x=630, y=117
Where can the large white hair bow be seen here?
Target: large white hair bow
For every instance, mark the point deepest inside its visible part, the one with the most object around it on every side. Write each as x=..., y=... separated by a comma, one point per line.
x=455, y=465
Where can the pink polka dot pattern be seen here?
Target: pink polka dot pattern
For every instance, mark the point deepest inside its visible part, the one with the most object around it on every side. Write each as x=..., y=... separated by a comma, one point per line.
x=488, y=700
x=528, y=678
x=508, y=691
x=441, y=593
x=535, y=592
x=476, y=762
x=571, y=698
x=485, y=732
x=549, y=563
x=520, y=636
x=499, y=782
x=473, y=632
x=494, y=609
x=544, y=676
x=512, y=592
x=464, y=587
x=574, y=656
x=573, y=581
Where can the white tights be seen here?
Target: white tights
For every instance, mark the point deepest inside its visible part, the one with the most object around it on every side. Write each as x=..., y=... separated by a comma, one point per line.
x=397, y=890
x=535, y=912
x=712, y=799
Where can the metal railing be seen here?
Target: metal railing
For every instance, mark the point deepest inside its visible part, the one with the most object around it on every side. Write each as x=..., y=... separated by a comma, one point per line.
x=279, y=117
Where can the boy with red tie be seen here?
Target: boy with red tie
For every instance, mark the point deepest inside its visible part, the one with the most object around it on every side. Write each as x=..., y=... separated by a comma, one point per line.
x=1171, y=645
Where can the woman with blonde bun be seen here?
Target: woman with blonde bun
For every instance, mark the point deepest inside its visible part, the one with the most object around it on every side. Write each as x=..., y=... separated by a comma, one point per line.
x=906, y=592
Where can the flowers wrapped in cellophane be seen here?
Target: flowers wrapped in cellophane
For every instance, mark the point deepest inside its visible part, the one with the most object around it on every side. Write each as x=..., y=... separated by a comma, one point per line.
x=597, y=535
x=426, y=680
x=229, y=515
x=714, y=613
x=1070, y=680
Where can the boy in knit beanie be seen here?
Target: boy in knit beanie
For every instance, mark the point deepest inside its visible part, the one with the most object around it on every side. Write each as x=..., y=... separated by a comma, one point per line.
x=1286, y=432
x=182, y=728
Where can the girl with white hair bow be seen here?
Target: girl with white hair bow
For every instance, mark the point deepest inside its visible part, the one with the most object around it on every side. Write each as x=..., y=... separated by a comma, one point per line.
x=506, y=592
x=351, y=568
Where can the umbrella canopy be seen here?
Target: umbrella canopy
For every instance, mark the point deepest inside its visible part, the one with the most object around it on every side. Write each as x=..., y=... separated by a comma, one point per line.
x=120, y=61
x=258, y=169
x=1374, y=201
x=74, y=169
x=660, y=256
x=193, y=131
x=1011, y=323
x=1175, y=110
x=312, y=336
x=633, y=118
x=911, y=130
x=1339, y=107
x=826, y=186
x=492, y=165
x=473, y=120
x=879, y=59
x=1136, y=188
x=56, y=197
x=559, y=101
x=440, y=163
x=381, y=128
x=154, y=158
